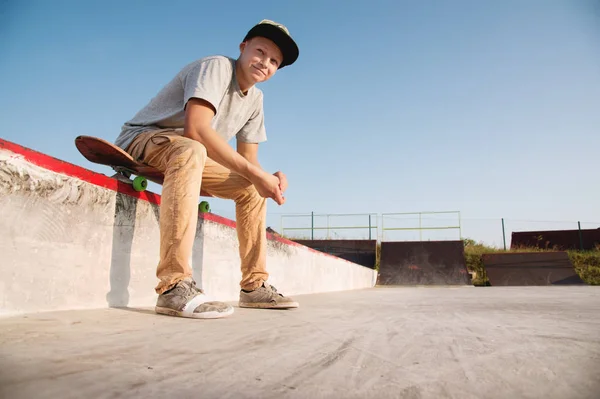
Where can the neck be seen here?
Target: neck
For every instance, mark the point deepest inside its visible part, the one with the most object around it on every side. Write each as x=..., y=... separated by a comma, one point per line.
x=244, y=84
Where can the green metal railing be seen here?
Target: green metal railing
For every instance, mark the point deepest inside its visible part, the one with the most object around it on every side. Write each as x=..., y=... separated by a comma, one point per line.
x=421, y=228
x=369, y=219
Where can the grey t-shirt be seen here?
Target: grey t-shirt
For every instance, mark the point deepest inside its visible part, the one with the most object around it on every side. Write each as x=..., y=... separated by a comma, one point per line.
x=212, y=79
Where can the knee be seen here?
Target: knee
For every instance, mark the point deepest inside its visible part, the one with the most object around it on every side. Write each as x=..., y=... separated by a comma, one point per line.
x=250, y=195
x=252, y=192
x=196, y=151
x=191, y=154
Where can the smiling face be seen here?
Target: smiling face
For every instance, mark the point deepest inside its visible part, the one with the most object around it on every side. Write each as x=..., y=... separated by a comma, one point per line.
x=259, y=60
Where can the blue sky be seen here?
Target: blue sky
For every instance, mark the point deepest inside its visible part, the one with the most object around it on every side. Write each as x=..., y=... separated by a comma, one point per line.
x=489, y=108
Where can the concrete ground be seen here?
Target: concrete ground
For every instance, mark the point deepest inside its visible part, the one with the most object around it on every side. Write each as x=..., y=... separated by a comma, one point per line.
x=525, y=342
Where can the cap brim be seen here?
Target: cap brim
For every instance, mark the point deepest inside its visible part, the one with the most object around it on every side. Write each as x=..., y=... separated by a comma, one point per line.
x=286, y=44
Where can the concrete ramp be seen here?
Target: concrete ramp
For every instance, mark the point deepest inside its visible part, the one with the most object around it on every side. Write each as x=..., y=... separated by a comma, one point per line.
x=423, y=263
x=530, y=268
x=74, y=239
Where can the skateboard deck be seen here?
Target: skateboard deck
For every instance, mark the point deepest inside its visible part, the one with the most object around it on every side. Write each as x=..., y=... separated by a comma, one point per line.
x=102, y=152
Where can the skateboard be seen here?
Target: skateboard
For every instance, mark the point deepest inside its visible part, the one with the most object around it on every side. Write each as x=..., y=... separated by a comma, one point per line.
x=102, y=152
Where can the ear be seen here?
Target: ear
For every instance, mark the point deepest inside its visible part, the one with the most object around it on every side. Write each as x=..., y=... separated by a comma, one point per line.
x=243, y=46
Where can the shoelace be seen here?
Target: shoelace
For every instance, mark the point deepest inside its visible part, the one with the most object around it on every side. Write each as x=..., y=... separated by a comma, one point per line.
x=274, y=289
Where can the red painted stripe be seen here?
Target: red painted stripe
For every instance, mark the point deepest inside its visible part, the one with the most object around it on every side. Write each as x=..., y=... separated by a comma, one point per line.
x=58, y=166
x=217, y=219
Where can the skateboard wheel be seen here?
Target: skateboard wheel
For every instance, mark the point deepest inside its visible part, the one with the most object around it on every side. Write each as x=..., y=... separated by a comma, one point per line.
x=140, y=183
x=203, y=207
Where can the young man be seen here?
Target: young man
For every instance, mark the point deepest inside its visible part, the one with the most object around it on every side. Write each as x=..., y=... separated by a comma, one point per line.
x=184, y=132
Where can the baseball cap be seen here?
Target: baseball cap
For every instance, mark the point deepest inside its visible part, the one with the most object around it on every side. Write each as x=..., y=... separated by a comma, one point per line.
x=280, y=35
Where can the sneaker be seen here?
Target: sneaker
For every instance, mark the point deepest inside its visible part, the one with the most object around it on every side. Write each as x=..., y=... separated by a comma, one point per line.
x=187, y=300
x=266, y=297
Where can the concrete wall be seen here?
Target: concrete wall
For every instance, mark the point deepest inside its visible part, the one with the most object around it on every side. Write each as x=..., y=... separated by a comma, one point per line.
x=74, y=239
x=294, y=268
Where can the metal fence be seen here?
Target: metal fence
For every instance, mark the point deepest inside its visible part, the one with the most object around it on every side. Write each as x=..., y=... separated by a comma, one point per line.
x=420, y=226
x=429, y=225
x=327, y=226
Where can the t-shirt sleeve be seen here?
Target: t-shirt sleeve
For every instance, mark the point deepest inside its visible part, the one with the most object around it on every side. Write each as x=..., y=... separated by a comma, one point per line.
x=208, y=80
x=254, y=130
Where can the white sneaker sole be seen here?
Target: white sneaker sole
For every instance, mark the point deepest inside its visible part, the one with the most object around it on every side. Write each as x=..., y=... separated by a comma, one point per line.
x=203, y=315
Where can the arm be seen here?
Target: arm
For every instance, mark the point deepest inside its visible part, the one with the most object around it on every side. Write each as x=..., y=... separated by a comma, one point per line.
x=198, y=116
x=250, y=153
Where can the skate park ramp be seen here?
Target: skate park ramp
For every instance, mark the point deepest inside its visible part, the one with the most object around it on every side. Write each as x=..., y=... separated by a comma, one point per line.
x=362, y=252
x=530, y=268
x=585, y=239
x=423, y=263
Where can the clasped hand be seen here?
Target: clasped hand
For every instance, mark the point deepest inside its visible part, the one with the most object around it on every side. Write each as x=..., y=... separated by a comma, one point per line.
x=272, y=186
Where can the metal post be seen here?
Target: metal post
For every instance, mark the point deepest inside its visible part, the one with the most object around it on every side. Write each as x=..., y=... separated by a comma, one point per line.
x=369, y=226
x=328, y=226
x=312, y=225
x=503, y=234
x=580, y=236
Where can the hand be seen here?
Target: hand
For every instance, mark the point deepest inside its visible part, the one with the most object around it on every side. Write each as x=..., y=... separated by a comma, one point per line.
x=268, y=186
x=283, y=184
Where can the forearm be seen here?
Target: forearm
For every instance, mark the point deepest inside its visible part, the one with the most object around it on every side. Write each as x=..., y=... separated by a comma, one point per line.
x=254, y=161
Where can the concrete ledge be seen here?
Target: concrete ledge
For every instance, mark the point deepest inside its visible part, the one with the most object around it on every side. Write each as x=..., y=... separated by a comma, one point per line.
x=294, y=268
x=74, y=239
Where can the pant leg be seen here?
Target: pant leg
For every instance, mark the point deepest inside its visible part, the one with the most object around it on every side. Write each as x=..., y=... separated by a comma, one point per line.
x=182, y=161
x=250, y=211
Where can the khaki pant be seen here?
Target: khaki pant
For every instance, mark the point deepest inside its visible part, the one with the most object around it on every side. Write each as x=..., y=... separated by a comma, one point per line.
x=187, y=168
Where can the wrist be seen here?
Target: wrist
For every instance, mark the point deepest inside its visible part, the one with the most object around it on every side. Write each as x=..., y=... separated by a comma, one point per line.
x=253, y=172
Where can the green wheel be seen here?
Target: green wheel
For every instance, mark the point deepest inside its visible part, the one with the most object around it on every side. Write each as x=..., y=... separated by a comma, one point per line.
x=203, y=207
x=140, y=183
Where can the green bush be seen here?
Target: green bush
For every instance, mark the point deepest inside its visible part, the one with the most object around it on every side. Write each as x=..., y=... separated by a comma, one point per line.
x=474, y=260
x=587, y=265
